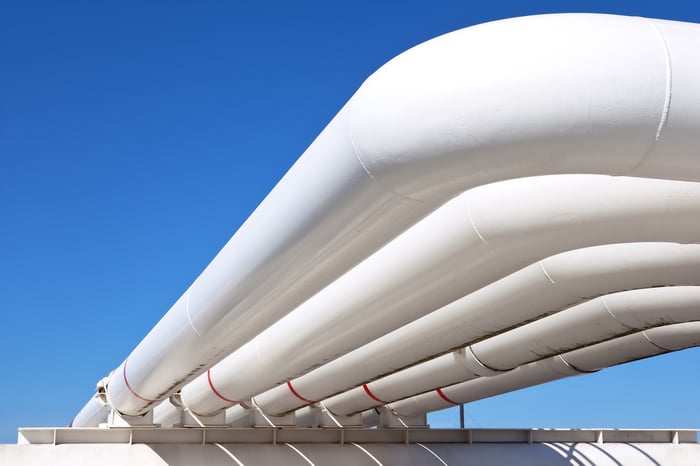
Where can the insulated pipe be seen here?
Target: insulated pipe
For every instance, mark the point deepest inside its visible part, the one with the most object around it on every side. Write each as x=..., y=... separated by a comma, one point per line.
x=95, y=411
x=433, y=264
x=592, y=321
x=583, y=325
x=651, y=342
x=237, y=416
x=168, y=413
x=524, y=376
x=550, y=285
x=576, y=93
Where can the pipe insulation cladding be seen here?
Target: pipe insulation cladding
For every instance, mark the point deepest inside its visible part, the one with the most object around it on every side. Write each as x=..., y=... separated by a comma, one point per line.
x=571, y=93
x=433, y=264
x=651, y=342
x=591, y=322
x=541, y=289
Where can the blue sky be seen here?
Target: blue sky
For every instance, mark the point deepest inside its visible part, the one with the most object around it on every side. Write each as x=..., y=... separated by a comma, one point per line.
x=135, y=137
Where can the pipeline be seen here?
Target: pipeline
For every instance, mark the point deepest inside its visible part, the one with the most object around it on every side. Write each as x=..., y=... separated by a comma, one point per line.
x=594, y=321
x=541, y=289
x=538, y=95
x=433, y=264
x=652, y=342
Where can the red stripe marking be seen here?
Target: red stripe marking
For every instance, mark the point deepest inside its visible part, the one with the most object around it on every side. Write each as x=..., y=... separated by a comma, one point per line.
x=371, y=395
x=131, y=389
x=216, y=392
x=444, y=397
x=295, y=393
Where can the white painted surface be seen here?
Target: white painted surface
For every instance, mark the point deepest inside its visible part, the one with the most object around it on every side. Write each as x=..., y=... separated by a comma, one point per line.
x=631, y=347
x=439, y=119
x=252, y=447
x=546, y=287
x=463, y=246
x=586, y=324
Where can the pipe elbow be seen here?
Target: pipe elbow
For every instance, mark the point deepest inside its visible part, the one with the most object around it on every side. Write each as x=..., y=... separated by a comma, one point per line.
x=541, y=94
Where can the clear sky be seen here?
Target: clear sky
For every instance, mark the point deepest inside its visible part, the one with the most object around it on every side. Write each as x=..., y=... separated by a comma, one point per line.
x=135, y=137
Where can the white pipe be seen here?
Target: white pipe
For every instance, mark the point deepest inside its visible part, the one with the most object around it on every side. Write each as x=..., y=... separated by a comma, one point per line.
x=524, y=376
x=628, y=348
x=168, y=413
x=433, y=264
x=238, y=416
x=95, y=411
x=594, y=321
x=529, y=96
x=543, y=288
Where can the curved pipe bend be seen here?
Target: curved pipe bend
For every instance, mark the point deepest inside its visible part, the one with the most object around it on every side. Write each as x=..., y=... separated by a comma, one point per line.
x=585, y=360
x=592, y=322
x=433, y=264
x=543, y=288
x=536, y=95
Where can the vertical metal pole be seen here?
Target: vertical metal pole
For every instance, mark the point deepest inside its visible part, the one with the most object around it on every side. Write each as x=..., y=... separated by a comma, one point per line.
x=461, y=416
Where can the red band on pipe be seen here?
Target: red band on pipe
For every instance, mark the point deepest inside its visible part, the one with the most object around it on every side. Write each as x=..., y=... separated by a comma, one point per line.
x=371, y=395
x=444, y=397
x=295, y=393
x=216, y=392
x=132, y=390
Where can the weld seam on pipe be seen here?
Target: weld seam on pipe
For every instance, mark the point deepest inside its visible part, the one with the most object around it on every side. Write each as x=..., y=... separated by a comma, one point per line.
x=126, y=382
x=371, y=395
x=573, y=366
x=665, y=110
x=295, y=393
x=546, y=274
x=189, y=316
x=568, y=364
x=369, y=173
x=471, y=220
x=648, y=338
x=612, y=314
x=442, y=395
x=216, y=392
x=669, y=79
x=481, y=370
